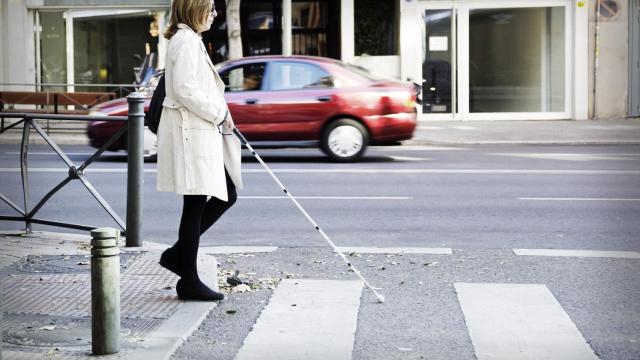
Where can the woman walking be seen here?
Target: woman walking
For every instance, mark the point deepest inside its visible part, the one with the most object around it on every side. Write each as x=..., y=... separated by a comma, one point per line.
x=198, y=157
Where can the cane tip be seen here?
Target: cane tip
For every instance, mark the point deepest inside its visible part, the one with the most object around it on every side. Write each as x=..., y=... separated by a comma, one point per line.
x=380, y=299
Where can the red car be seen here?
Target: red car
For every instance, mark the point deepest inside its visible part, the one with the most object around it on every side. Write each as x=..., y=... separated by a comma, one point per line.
x=340, y=107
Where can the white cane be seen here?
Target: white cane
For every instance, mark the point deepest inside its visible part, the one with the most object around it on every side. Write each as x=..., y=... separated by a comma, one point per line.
x=335, y=249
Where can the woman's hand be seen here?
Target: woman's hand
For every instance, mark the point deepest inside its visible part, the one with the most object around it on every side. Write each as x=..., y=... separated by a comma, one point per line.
x=228, y=123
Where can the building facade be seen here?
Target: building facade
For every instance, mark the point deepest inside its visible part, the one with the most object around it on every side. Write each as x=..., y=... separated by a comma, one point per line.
x=475, y=59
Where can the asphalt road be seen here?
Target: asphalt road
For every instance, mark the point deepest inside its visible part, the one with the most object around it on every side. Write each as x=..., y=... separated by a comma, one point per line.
x=480, y=201
x=465, y=198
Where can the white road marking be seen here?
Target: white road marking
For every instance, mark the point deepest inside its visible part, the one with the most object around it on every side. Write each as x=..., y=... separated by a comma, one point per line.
x=394, y=250
x=375, y=171
x=306, y=319
x=580, y=199
x=519, y=321
x=571, y=157
x=578, y=253
x=237, y=249
x=416, y=148
x=331, y=197
x=463, y=127
x=431, y=128
x=408, y=158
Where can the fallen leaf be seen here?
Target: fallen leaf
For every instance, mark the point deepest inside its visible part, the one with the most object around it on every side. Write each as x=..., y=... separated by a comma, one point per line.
x=231, y=312
x=48, y=327
x=240, y=288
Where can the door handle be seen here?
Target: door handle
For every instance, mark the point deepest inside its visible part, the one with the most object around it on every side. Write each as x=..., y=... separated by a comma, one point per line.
x=251, y=101
x=324, y=98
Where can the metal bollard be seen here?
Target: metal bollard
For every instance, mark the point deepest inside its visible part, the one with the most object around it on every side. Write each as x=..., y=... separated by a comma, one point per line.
x=105, y=291
x=135, y=169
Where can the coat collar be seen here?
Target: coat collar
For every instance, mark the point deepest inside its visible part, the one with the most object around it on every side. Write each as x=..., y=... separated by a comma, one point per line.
x=186, y=27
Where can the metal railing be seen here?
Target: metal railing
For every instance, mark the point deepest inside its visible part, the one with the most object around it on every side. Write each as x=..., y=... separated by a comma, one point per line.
x=134, y=128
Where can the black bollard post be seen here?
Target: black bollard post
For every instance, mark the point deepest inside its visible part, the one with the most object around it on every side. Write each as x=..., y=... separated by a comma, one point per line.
x=135, y=169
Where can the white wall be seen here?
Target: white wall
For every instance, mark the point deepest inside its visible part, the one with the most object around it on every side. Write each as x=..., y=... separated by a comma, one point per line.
x=612, y=79
x=17, y=58
x=383, y=66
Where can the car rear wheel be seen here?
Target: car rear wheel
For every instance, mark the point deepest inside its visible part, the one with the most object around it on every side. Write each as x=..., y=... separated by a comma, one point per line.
x=345, y=140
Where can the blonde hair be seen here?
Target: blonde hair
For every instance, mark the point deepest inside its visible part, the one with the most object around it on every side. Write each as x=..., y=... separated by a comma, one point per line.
x=192, y=13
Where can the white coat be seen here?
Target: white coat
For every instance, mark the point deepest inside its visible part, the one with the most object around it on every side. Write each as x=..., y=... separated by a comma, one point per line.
x=192, y=153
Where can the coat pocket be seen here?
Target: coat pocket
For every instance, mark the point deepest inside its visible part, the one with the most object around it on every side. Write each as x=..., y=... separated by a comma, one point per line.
x=203, y=144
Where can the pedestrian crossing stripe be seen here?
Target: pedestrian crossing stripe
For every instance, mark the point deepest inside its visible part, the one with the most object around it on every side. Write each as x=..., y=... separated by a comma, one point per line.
x=306, y=319
x=519, y=321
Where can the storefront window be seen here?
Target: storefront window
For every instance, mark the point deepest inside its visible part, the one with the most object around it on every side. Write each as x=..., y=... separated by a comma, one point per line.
x=517, y=60
x=308, y=24
x=375, y=28
x=110, y=45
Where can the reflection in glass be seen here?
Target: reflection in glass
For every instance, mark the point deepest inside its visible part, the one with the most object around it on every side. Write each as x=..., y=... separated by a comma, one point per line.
x=246, y=77
x=110, y=45
x=53, y=49
x=289, y=76
x=436, y=62
x=309, y=23
x=517, y=60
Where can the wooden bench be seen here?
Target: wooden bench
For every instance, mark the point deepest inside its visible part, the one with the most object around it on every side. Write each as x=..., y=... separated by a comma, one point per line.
x=52, y=102
x=81, y=100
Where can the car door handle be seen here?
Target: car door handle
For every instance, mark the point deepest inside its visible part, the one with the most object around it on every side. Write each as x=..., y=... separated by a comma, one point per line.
x=324, y=98
x=251, y=101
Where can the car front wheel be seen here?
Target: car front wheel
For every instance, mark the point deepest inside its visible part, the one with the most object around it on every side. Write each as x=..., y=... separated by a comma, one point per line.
x=345, y=140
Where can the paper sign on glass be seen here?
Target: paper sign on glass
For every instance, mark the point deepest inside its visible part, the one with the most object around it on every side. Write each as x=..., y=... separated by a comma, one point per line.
x=438, y=43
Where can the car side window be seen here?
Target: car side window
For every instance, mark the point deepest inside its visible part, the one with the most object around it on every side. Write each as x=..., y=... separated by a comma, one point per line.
x=297, y=75
x=247, y=77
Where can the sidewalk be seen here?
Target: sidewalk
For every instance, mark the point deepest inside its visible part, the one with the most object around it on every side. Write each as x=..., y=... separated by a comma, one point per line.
x=46, y=299
x=566, y=132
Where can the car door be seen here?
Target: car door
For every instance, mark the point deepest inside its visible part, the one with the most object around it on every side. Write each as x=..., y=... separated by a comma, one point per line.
x=297, y=99
x=243, y=92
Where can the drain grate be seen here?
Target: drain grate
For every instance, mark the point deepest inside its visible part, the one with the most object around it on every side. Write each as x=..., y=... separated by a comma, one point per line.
x=147, y=295
x=49, y=331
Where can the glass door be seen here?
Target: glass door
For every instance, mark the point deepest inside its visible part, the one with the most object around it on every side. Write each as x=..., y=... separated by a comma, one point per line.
x=439, y=63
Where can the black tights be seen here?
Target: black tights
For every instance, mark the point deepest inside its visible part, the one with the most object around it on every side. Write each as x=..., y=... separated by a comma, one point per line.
x=198, y=215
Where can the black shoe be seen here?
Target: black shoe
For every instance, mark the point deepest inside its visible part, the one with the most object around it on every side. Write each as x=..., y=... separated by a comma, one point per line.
x=169, y=261
x=196, y=290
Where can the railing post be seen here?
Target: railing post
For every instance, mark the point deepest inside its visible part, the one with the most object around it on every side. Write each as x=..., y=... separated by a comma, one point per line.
x=105, y=291
x=135, y=168
x=24, y=171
